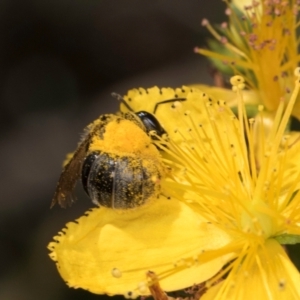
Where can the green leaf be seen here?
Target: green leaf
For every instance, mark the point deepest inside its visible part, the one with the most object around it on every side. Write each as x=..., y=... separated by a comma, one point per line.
x=286, y=239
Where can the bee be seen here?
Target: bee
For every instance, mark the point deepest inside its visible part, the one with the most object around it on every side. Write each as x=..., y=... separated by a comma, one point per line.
x=119, y=165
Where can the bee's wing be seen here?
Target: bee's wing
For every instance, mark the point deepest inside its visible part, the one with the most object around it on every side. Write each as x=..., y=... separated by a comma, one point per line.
x=69, y=176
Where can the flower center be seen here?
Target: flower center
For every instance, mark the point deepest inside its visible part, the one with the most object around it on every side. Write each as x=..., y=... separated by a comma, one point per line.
x=256, y=221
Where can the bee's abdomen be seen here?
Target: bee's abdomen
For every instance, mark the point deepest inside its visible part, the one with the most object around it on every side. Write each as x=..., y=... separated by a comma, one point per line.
x=120, y=182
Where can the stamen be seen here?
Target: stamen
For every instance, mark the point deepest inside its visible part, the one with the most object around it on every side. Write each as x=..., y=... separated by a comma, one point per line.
x=251, y=152
x=143, y=287
x=131, y=295
x=288, y=111
x=155, y=289
x=116, y=273
x=206, y=23
x=238, y=83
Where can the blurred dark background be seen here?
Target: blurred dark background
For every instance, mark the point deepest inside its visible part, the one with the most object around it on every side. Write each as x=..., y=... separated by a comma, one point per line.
x=59, y=62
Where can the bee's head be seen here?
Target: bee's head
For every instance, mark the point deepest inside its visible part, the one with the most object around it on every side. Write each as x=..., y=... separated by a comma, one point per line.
x=148, y=121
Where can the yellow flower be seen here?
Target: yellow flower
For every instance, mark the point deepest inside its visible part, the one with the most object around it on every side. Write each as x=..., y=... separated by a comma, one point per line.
x=260, y=42
x=109, y=251
x=226, y=217
x=217, y=176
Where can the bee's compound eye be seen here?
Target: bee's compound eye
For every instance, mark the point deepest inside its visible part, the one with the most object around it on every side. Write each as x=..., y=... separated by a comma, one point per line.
x=150, y=123
x=119, y=182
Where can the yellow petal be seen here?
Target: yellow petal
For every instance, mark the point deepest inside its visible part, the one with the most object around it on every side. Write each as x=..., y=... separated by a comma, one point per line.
x=129, y=243
x=168, y=106
x=250, y=97
x=171, y=107
x=276, y=278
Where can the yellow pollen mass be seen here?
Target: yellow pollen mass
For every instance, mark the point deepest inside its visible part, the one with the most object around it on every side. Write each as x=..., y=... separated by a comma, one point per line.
x=123, y=136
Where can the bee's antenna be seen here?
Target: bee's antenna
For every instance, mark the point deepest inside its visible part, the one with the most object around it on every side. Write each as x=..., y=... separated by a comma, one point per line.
x=122, y=100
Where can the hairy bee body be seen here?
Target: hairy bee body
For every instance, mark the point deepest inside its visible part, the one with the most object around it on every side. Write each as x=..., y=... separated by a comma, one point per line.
x=117, y=162
x=120, y=182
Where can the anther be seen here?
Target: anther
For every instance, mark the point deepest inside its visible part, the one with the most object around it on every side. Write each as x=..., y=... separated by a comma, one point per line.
x=224, y=25
x=115, y=272
x=204, y=22
x=282, y=284
x=238, y=82
x=142, y=287
x=223, y=40
x=297, y=72
x=176, y=104
x=228, y=11
x=131, y=295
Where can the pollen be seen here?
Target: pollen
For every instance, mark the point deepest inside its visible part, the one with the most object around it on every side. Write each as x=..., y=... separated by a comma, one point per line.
x=237, y=81
x=143, y=287
x=116, y=273
x=177, y=105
